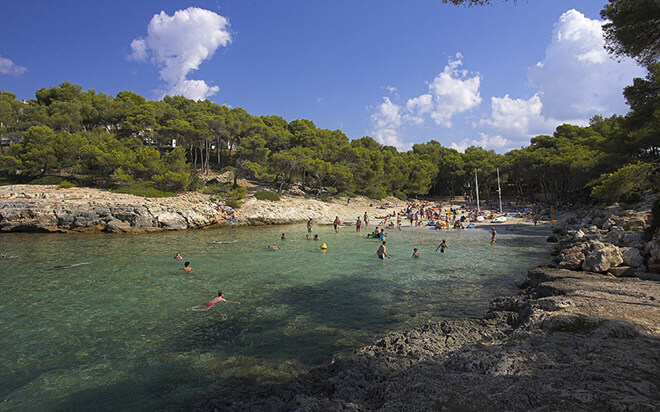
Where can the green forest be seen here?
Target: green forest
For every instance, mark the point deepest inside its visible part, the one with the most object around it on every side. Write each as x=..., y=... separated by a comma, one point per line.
x=126, y=142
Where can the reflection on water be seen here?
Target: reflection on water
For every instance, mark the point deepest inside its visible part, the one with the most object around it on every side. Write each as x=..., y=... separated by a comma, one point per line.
x=117, y=333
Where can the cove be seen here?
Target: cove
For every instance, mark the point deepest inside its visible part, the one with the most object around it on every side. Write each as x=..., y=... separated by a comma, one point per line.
x=116, y=332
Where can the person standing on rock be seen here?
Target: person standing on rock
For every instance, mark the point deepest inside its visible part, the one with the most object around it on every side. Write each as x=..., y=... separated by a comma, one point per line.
x=493, y=236
x=336, y=224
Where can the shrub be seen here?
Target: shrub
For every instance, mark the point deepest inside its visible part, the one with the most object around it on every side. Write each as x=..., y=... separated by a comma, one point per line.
x=234, y=197
x=400, y=195
x=174, y=181
x=47, y=180
x=267, y=195
x=65, y=184
x=655, y=220
x=144, y=189
x=624, y=185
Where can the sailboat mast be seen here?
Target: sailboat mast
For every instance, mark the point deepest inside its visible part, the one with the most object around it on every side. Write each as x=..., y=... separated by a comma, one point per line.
x=476, y=185
x=499, y=189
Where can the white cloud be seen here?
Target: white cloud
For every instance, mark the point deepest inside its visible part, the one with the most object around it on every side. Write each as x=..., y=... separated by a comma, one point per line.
x=577, y=78
x=519, y=117
x=9, y=67
x=387, y=121
x=452, y=92
x=179, y=44
x=487, y=142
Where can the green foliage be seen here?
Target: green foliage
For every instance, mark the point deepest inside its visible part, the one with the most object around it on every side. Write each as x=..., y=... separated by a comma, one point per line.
x=234, y=197
x=267, y=195
x=655, y=220
x=48, y=180
x=65, y=184
x=625, y=184
x=632, y=29
x=144, y=189
x=125, y=140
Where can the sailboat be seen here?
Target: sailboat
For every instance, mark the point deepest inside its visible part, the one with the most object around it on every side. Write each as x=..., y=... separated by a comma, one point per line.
x=502, y=218
x=476, y=185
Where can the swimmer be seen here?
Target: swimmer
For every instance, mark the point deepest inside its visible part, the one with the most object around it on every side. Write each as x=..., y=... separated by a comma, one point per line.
x=442, y=246
x=273, y=247
x=207, y=305
x=493, y=236
x=382, y=252
x=283, y=236
x=316, y=237
x=186, y=267
x=415, y=254
x=178, y=257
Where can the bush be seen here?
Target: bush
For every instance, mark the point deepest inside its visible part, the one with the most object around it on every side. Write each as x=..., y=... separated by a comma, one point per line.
x=234, y=197
x=400, y=195
x=144, y=189
x=65, y=184
x=48, y=180
x=655, y=220
x=624, y=185
x=267, y=195
x=174, y=181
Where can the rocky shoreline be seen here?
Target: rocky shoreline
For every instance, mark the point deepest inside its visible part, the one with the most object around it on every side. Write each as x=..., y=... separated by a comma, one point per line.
x=30, y=208
x=585, y=338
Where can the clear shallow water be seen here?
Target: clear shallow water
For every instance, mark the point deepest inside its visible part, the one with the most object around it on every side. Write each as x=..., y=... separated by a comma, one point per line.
x=117, y=333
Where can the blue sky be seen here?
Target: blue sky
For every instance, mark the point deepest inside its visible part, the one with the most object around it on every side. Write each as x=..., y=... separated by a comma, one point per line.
x=402, y=72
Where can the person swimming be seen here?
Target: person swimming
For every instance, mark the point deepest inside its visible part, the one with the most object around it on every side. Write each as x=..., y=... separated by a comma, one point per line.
x=415, y=254
x=186, y=267
x=316, y=237
x=283, y=237
x=207, y=305
x=178, y=256
x=273, y=247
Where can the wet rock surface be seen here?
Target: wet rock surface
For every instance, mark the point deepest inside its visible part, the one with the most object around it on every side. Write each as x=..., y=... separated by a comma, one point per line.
x=571, y=341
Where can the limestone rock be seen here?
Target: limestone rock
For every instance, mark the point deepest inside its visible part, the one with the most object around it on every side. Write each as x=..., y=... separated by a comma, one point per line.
x=603, y=259
x=622, y=271
x=116, y=225
x=171, y=220
x=615, y=235
x=632, y=257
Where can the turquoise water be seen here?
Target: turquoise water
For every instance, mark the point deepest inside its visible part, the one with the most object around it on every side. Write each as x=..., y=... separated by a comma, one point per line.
x=117, y=333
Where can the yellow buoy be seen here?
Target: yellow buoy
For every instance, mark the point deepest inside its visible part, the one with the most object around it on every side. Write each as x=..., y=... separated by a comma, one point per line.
x=324, y=246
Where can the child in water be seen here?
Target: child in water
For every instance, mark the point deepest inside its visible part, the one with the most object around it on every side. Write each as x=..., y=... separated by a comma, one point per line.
x=186, y=267
x=209, y=304
x=178, y=256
